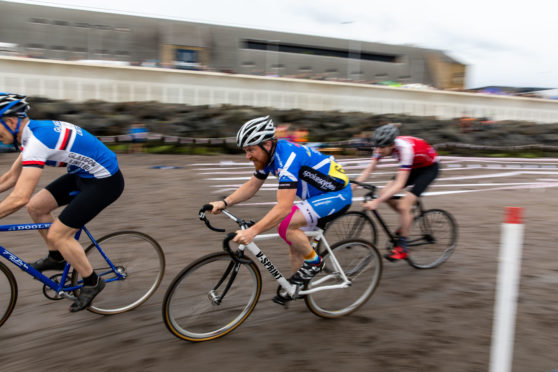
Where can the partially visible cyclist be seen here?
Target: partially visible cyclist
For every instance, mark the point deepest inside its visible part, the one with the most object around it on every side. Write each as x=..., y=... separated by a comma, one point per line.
x=302, y=171
x=418, y=166
x=92, y=170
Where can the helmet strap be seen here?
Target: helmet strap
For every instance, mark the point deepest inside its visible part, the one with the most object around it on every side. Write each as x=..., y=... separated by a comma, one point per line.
x=13, y=133
x=269, y=153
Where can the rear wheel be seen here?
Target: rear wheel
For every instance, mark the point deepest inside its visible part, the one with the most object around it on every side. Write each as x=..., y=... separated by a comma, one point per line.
x=432, y=239
x=362, y=264
x=8, y=293
x=139, y=266
x=211, y=297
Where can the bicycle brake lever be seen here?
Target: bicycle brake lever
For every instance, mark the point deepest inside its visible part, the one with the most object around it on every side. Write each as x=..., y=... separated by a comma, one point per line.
x=227, y=248
x=201, y=214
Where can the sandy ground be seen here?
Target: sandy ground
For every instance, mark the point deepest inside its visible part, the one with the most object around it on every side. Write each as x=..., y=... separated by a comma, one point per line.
x=418, y=320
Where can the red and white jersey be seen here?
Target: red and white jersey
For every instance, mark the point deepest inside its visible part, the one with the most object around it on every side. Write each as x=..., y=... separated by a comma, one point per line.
x=411, y=153
x=61, y=144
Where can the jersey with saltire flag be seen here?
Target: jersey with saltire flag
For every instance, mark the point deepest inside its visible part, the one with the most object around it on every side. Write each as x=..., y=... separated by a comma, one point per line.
x=302, y=168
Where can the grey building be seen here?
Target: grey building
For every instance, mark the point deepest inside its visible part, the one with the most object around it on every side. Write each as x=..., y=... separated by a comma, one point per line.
x=70, y=34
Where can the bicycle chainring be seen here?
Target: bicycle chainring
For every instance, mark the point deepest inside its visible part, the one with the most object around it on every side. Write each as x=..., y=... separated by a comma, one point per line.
x=50, y=293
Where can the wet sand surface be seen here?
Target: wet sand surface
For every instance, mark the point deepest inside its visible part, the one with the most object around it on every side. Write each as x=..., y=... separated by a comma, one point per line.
x=418, y=320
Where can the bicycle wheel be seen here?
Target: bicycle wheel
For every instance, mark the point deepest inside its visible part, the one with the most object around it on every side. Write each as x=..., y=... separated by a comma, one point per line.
x=8, y=293
x=432, y=239
x=350, y=225
x=136, y=256
x=211, y=297
x=362, y=264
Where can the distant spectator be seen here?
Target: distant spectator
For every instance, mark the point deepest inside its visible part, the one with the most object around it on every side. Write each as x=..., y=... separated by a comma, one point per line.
x=466, y=124
x=138, y=132
x=283, y=132
x=300, y=135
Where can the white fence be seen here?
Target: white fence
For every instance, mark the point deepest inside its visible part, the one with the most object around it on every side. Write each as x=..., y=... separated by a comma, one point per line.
x=80, y=82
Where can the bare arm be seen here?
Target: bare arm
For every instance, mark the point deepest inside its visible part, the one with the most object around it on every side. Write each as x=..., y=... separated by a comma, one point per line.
x=285, y=200
x=9, y=179
x=391, y=189
x=394, y=187
x=26, y=183
x=367, y=172
x=244, y=192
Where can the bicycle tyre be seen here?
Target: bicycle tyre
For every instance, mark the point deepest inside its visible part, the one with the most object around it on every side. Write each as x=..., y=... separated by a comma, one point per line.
x=359, y=259
x=350, y=225
x=432, y=239
x=8, y=286
x=189, y=311
x=133, y=253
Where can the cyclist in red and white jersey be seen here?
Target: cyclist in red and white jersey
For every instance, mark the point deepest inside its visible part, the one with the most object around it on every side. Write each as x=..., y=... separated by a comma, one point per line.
x=418, y=166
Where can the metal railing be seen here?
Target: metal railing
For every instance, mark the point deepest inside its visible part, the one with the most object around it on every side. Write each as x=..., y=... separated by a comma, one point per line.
x=81, y=82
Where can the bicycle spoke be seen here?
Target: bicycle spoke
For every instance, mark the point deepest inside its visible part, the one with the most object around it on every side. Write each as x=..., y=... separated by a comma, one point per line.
x=362, y=265
x=208, y=300
x=351, y=225
x=432, y=239
x=140, y=265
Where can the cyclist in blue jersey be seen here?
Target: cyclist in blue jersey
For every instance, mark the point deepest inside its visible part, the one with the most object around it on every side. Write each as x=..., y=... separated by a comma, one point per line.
x=304, y=172
x=92, y=171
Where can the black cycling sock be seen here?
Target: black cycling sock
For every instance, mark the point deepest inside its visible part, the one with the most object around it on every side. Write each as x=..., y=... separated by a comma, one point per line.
x=56, y=255
x=402, y=242
x=91, y=280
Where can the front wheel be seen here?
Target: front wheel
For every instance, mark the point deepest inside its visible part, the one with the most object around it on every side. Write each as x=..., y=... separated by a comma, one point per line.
x=139, y=266
x=432, y=239
x=350, y=225
x=211, y=297
x=362, y=264
x=8, y=293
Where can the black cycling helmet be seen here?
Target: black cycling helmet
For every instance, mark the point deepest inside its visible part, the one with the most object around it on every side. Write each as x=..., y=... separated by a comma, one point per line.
x=255, y=131
x=385, y=135
x=13, y=105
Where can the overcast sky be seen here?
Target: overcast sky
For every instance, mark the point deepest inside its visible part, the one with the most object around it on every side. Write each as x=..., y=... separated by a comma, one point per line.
x=503, y=42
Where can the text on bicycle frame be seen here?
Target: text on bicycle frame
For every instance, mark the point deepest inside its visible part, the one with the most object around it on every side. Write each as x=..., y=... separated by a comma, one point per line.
x=268, y=265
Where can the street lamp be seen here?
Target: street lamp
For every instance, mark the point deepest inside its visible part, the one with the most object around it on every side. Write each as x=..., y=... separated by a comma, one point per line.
x=269, y=65
x=356, y=55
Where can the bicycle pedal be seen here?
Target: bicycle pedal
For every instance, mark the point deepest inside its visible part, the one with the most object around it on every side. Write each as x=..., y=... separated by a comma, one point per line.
x=281, y=301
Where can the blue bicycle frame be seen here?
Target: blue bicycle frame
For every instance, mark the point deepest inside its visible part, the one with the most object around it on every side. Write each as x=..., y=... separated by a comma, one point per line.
x=60, y=288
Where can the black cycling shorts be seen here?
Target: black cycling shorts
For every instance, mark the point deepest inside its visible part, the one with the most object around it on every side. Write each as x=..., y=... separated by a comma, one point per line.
x=421, y=178
x=94, y=196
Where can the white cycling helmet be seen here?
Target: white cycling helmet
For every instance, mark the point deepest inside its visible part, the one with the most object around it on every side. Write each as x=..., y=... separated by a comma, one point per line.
x=255, y=131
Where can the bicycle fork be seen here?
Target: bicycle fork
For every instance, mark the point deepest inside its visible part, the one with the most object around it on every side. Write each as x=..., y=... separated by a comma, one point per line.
x=232, y=269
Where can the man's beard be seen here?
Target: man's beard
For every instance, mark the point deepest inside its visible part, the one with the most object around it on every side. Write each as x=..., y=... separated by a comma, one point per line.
x=260, y=164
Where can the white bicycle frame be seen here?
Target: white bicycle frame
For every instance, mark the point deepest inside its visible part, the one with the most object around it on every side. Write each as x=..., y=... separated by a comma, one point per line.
x=292, y=289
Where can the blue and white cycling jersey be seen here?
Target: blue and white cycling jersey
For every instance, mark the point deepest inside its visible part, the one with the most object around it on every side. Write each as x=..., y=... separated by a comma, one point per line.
x=61, y=144
x=302, y=168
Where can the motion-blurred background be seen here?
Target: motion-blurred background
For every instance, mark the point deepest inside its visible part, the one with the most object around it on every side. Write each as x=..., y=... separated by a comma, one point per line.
x=194, y=83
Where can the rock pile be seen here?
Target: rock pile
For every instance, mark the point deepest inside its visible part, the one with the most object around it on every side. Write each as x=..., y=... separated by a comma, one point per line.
x=105, y=119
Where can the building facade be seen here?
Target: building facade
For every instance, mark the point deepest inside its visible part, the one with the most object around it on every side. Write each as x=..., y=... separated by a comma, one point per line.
x=69, y=34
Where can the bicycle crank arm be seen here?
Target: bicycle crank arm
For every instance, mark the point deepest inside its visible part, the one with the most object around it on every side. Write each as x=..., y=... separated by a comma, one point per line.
x=67, y=295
